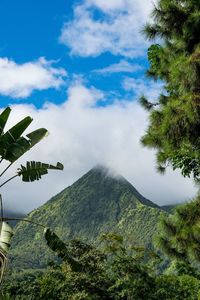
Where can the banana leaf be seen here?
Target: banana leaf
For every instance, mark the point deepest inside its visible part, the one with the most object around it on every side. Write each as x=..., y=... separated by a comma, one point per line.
x=58, y=246
x=34, y=170
x=3, y=118
x=13, y=134
x=22, y=145
x=37, y=135
x=5, y=236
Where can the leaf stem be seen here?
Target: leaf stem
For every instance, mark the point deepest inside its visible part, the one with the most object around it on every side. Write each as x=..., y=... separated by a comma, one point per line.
x=6, y=168
x=25, y=220
x=8, y=180
x=1, y=203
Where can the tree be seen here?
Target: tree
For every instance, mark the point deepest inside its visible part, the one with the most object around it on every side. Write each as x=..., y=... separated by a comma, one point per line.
x=112, y=272
x=115, y=272
x=12, y=146
x=174, y=125
x=174, y=119
x=179, y=235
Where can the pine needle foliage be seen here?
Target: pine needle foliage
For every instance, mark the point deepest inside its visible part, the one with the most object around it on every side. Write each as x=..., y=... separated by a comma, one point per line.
x=179, y=234
x=174, y=124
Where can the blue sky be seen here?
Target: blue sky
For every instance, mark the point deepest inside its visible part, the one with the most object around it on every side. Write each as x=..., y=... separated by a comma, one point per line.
x=32, y=29
x=78, y=68
x=29, y=30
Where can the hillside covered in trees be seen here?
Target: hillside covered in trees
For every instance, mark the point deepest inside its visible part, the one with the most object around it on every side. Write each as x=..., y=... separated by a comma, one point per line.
x=97, y=203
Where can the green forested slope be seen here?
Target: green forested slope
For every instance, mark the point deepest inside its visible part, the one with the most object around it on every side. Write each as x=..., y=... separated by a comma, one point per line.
x=95, y=204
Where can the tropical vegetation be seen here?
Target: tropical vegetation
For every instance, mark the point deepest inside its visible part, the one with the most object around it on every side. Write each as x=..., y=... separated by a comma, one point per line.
x=117, y=268
x=12, y=146
x=175, y=118
x=114, y=272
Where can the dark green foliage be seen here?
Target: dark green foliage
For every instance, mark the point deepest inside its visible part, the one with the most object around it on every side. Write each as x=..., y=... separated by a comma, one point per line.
x=179, y=235
x=13, y=145
x=60, y=248
x=179, y=268
x=95, y=204
x=22, y=285
x=22, y=145
x=3, y=118
x=169, y=208
x=12, y=135
x=116, y=272
x=170, y=287
x=175, y=120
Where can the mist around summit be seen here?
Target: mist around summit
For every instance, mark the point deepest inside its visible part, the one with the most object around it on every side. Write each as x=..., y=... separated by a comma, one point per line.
x=97, y=203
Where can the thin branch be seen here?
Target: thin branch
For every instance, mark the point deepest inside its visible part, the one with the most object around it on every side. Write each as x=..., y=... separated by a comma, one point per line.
x=6, y=169
x=8, y=180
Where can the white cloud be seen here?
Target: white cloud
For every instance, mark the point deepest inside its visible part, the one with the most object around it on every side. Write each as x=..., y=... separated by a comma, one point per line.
x=118, y=30
x=123, y=66
x=138, y=86
x=83, y=135
x=106, y=6
x=20, y=80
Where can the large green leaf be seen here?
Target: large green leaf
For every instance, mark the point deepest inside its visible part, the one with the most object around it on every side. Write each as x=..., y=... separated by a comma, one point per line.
x=17, y=149
x=34, y=170
x=22, y=145
x=37, y=135
x=13, y=134
x=59, y=247
x=3, y=118
x=6, y=234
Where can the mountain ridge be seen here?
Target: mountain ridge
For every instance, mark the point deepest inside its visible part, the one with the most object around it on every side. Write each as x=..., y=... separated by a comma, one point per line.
x=108, y=172
x=97, y=203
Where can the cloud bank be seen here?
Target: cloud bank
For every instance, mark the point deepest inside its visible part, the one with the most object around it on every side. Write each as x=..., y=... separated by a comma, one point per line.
x=20, y=80
x=83, y=135
x=117, y=30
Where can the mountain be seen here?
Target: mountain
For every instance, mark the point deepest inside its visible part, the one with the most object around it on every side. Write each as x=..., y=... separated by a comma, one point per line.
x=169, y=208
x=98, y=202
